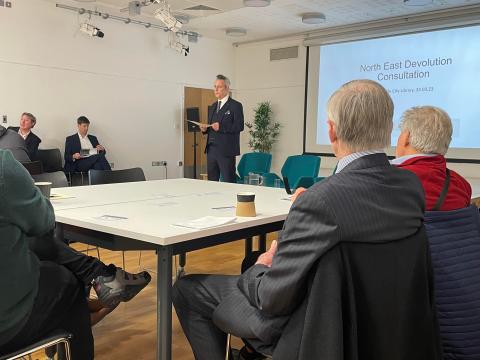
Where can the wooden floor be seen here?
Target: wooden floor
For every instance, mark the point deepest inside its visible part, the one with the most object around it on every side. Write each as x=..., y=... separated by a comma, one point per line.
x=129, y=332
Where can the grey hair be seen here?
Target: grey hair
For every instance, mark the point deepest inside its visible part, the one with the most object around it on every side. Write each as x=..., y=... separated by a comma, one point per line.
x=224, y=78
x=362, y=111
x=32, y=118
x=430, y=129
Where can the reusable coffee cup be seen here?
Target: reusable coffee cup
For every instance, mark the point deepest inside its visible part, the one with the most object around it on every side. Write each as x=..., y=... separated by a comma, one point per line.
x=44, y=187
x=246, y=204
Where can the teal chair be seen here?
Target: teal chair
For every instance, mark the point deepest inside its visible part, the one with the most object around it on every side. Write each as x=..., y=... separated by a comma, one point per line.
x=301, y=171
x=254, y=162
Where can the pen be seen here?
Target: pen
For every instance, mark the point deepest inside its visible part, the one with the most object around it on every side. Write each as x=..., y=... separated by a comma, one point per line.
x=223, y=207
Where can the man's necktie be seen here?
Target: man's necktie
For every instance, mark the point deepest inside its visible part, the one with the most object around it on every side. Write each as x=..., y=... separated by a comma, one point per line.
x=218, y=106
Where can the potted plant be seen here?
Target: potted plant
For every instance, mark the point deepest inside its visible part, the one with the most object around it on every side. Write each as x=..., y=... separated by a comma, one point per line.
x=264, y=130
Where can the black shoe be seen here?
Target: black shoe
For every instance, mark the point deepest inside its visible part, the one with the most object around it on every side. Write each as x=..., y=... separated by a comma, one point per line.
x=249, y=354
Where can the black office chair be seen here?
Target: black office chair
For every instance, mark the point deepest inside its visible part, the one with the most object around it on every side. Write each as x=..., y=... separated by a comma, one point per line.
x=97, y=177
x=57, y=178
x=33, y=167
x=55, y=339
x=51, y=159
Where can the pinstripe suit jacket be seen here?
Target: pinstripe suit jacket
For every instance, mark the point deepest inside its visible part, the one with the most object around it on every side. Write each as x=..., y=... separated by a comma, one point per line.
x=369, y=201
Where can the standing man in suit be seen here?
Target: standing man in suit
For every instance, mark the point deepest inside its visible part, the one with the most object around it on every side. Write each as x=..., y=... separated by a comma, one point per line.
x=366, y=201
x=223, y=136
x=32, y=141
x=83, y=152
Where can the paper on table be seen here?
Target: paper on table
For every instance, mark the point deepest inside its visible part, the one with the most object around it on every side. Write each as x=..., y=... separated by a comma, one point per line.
x=198, y=124
x=57, y=196
x=206, y=222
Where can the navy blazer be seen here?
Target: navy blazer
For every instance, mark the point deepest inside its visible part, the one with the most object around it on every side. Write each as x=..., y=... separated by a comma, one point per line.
x=231, y=124
x=72, y=146
x=31, y=142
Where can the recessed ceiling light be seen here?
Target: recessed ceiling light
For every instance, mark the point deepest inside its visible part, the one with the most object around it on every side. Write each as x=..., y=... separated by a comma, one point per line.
x=313, y=18
x=256, y=3
x=417, y=2
x=236, y=31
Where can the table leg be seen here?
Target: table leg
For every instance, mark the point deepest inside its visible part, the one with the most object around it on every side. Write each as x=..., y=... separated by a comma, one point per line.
x=164, y=303
x=248, y=245
x=262, y=243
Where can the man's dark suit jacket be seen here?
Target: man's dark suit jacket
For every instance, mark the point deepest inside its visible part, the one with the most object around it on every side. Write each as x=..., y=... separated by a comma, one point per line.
x=72, y=146
x=32, y=142
x=368, y=202
x=227, y=139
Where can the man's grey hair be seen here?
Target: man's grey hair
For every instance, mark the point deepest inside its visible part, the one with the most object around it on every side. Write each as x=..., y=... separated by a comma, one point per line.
x=224, y=78
x=430, y=129
x=362, y=112
x=32, y=118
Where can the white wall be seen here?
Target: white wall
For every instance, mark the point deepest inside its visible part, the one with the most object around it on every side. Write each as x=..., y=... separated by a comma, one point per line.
x=283, y=84
x=129, y=84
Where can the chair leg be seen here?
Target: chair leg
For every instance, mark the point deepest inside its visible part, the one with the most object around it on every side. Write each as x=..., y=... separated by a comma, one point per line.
x=227, y=350
x=123, y=261
x=98, y=252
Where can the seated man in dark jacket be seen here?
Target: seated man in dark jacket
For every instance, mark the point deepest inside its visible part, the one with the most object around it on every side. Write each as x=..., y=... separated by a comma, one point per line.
x=37, y=296
x=367, y=201
x=32, y=141
x=83, y=152
x=44, y=285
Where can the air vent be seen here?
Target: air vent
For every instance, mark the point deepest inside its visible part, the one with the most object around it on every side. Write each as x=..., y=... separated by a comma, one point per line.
x=284, y=53
x=201, y=8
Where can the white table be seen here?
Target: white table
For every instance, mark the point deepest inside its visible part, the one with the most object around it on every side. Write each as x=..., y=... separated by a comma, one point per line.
x=146, y=213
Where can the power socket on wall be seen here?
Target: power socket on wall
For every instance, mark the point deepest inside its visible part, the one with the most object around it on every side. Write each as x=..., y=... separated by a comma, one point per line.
x=159, y=163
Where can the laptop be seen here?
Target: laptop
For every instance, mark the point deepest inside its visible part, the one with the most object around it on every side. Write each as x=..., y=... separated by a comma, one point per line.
x=287, y=185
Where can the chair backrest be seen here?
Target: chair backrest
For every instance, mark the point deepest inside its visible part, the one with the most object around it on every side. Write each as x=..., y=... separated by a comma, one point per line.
x=297, y=166
x=363, y=300
x=97, y=177
x=33, y=167
x=56, y=338
x=51, y=159
x=57, y=178
x=454, y=238
x=255, y=162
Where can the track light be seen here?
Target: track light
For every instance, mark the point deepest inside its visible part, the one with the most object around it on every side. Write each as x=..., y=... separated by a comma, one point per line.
x=91, y=30
x=177, y=45
x=164, y=14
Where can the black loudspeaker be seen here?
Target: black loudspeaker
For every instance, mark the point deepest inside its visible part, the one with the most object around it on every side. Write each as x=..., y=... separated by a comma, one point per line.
x=194, y=115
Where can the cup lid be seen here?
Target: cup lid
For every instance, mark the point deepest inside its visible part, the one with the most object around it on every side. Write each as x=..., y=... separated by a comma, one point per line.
x=246, y=196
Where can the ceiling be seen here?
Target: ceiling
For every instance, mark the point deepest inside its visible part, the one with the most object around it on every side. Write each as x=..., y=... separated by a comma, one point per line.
x=282, y=17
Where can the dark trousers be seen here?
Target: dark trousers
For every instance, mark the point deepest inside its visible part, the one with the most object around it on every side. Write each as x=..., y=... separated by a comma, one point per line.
x=195, y=298
x=60, y=304
x=52, y=248
x=218, y=163
x=209, y=306
x=95, y=162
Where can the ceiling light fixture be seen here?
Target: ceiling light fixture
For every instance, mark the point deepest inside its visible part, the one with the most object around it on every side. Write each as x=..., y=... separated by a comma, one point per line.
x=236, y=31
x=91, y=30
x=164, y=14
x=256, y=3
x=125, y=20
x=313, y=18
x=417, y=2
